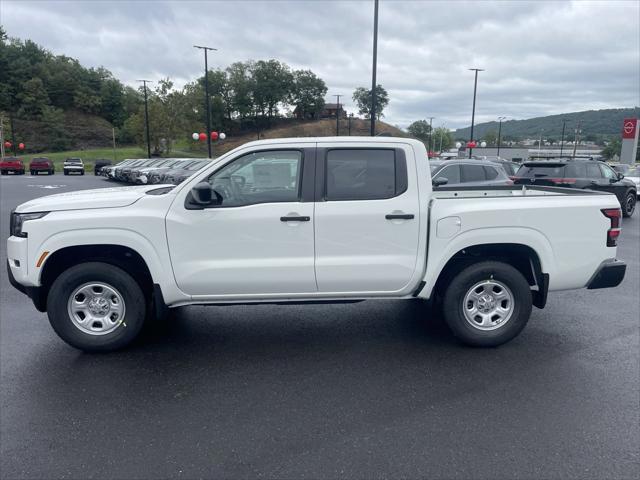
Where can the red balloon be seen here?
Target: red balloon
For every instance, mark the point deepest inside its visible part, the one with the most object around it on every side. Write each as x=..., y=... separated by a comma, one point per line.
x=214, y=135
x=7, y=144
x=21, y=146
x=202, y=136
x=471, y=144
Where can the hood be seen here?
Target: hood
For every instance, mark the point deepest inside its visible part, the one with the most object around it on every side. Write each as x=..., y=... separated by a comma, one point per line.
x=85, y=199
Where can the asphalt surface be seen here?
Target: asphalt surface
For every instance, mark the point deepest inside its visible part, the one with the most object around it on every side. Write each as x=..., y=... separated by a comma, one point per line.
x=368, y=390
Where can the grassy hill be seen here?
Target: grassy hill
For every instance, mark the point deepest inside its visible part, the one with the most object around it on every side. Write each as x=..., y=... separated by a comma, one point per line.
x=188, y=148
x=597, y=123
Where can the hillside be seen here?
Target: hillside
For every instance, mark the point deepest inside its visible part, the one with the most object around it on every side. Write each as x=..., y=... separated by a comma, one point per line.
x=597, y=123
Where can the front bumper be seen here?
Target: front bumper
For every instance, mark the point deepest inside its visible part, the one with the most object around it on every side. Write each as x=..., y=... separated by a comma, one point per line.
x=609, y=274
x=34, y=293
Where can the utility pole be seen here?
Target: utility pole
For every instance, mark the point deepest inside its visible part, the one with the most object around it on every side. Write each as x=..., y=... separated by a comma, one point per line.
x=564, y=124
x=375, y=61
x=206, y=94
x=13, y=134
x=430, y=133
x=113, y=133
x=500, y=119
x=146, y=116
x=338, y=115
x=540, y=142
x=576, y=139
x=350, y=118
x=440, y=147
x=1, y=137
x=473, y=109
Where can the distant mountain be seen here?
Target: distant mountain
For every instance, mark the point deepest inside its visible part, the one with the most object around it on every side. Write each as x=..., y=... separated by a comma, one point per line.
x=595, y=124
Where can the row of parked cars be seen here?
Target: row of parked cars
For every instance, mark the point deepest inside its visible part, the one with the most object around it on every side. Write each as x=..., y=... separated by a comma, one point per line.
x=585, y=173
x=153, y=170
x=38, y=165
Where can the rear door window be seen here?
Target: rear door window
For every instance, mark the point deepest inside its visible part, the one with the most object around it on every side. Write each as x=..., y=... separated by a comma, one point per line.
x=576, y=170
x=360, y=174
x=533, y=171
x=491, y=173
x=473, y=173
x=593, y=171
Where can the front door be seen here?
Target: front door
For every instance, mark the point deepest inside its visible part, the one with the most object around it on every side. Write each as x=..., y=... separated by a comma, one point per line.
x=367, y=220
x=257, y=239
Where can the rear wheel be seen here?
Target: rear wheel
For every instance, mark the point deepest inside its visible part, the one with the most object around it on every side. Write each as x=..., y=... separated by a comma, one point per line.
x=66, y=173
x=32, y=172
x=487, y=304
x=96, y=307
x=629, y=204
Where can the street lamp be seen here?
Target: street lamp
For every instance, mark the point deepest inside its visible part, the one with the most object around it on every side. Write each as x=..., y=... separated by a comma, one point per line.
x=473, y=110
x=500, y=119
x=373, y=74
x=206, y=94
x=338, y=115
x=350, y=118
x=146, y=116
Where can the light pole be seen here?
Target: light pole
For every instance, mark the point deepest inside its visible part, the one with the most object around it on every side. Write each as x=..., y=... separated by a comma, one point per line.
x=206, y=94
x=350, y=118
x=430, y=132
x=373, y=75
x=500, y=119
x=146, y=116
x=540, y=142
x=440, y=147
x=473, y=110
x=576, y=139
x=338, y=115
x=564, y=124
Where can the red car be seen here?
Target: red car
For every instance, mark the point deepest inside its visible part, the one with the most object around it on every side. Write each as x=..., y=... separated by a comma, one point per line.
x=11, y=164
x=41, y=164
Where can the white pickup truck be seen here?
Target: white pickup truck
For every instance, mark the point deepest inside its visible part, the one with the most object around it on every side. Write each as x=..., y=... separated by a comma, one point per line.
x=309, y=220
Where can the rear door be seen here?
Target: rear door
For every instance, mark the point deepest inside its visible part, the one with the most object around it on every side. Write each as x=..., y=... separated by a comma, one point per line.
x=367, y=218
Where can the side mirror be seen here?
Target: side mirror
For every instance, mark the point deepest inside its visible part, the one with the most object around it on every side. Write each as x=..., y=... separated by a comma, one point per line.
x=620, y=176
x=440, y=181
x=201, y=193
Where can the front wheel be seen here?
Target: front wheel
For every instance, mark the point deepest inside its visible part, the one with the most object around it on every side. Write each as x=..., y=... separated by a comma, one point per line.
x=629, y=204
x=487, y=304
x=96, y=307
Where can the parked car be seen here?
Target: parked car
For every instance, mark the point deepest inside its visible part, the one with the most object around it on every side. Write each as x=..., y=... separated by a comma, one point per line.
x=633, y=174
x=41, y=164
x=158, y=175
x=124, y=174
x=109, y=170
x=97, y=166
x=469, y=172
x=308, y=220
x=73, y=165
x=141, y=175
x=13, y=165
x=583, y=174
x=179, y=175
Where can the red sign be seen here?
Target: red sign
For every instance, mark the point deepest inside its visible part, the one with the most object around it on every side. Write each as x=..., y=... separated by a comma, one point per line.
x=629, y=126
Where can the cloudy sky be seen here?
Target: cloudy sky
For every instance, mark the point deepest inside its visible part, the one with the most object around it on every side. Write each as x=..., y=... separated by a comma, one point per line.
x=540, y=57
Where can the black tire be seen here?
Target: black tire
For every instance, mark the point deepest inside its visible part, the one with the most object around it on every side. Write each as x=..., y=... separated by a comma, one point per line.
x=630, y=204
x=31, y=172
x=462, y=283
x=66, y=173
x=132, y=297
x=82, y=172
x=51, y=172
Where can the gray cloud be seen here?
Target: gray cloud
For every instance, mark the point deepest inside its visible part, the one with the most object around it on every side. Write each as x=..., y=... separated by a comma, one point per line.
x=540, y=57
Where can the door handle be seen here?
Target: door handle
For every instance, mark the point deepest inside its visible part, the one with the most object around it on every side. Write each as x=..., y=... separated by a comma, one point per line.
x=399, y=216
x=295, y=219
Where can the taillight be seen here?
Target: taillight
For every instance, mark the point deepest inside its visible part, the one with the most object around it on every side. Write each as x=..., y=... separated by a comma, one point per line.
x=562, y=181
x=614, y=215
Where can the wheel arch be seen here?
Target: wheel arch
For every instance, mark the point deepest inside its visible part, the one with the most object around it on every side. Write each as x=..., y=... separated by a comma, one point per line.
x=520, y=256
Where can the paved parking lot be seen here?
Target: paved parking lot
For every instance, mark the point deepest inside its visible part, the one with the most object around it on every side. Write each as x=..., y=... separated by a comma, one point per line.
x=365, y=390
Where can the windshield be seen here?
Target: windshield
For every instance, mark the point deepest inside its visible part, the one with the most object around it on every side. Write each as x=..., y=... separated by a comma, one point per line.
x=74, y=160
x=434, y=167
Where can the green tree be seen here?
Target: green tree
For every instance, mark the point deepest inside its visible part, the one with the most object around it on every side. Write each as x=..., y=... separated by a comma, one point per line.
x=240, y=86
x=272, y=84
x=33, y=99
x=442, y=139
x=421, y=130
x=307, y=93
x=613, y=148
x=362, y=97
x=491, y=137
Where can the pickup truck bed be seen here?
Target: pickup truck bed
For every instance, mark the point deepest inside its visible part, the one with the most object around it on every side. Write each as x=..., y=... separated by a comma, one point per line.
x=308, y=220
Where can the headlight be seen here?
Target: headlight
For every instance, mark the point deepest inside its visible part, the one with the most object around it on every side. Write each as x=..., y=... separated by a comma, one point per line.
x=18, y=219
